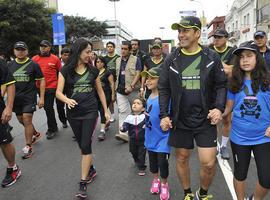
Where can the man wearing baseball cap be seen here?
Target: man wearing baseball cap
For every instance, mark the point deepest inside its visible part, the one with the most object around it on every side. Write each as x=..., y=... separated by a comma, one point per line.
x=225, y=53
x=260, y=38
x=50, y=66
x=26, y=73
x=155, y=60
x=193, y=79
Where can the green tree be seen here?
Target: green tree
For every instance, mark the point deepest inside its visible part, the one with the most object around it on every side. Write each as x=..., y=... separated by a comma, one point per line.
x=24, y=20
x=77, y=26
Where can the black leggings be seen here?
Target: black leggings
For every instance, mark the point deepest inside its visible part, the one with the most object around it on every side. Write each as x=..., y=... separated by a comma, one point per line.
x=159, y=163
x=83, y=130
x=100, y=107
x=241, y=159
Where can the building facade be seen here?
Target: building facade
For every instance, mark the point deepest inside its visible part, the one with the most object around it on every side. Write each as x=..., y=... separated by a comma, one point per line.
x=241, y=21
x=117, y=33
x=263, y=19
x=52, y=4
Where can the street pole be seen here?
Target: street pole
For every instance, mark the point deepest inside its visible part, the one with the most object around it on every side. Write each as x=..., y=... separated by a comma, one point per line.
x=162, y=28
x=204, y=29
x=115, y=23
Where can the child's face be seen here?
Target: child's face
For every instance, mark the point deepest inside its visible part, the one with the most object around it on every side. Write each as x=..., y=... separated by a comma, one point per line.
x=151, y=83
x=137, y=106
x=247, y=60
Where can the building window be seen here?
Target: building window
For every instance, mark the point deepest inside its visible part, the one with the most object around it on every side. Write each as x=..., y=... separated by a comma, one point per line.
x=248, y=19
x=245, y=20
x=236, y=25
x=264, y=13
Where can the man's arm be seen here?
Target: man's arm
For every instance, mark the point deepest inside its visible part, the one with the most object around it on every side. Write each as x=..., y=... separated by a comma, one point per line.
x=7, y=113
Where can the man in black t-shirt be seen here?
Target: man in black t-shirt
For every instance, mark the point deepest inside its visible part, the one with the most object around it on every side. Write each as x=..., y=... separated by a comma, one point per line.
x=135, y=44
x=13, y=172
x=110, y=60
x=225, y=52
x=26, y=73
x=193, y=82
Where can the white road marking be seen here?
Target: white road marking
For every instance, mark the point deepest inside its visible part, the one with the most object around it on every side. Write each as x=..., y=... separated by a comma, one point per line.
x=227, y=173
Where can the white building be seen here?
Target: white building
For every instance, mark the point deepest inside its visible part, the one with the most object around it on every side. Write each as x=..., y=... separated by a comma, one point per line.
x=117, y=33
x=52, y=4
x=241, y=21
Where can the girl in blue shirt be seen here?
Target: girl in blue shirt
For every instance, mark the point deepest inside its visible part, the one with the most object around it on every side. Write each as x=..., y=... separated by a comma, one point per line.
x=156, y=140
x=249, y=99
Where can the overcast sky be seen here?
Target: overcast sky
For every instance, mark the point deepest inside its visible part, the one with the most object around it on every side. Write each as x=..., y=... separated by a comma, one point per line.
x=144, y=17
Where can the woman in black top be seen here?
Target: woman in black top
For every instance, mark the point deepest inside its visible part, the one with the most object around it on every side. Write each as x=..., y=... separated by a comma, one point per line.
x=81, y=82
x=107, y=83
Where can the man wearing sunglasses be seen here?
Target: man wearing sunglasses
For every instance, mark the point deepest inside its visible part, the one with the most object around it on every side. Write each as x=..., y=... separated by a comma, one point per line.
x=225, y=52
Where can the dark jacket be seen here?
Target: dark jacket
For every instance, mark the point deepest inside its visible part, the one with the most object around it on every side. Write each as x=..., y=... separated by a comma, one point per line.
x=212, y=79
x=135, y=125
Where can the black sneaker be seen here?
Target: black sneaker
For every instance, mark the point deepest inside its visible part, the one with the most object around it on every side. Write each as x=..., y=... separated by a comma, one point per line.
x=82, y=190
x=251, y=197
x=101, y=136
x=64, y=125
x=92, y=174
x=51, y=134
x=11, y=176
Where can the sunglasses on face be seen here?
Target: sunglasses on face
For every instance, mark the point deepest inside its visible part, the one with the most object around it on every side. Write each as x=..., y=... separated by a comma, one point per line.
x=218, y=37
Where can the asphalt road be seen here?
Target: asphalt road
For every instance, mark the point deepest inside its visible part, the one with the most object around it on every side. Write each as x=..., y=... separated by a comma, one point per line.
x=53, y=172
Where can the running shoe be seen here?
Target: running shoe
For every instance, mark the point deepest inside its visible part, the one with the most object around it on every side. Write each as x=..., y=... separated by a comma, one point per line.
x=82, y=192
x=122, y=137
x=101, y=136
x=251, y=197
x=27, y=152
x=64, y=125
x=224, y=153
x=51, y=133
x=189, y=196
x=141, y=173
x=91, y=176
x=203, y=197
x=165, y=192
x=36, y=136
x=11, y=176
x=155, y=187
x=112, y=119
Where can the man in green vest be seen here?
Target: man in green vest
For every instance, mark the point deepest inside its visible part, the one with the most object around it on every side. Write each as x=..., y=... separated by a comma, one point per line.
x=128, y=68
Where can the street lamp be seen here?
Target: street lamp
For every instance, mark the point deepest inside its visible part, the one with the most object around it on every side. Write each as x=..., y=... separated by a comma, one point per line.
x=115, y=22
x=204, y=34
x=162, y=28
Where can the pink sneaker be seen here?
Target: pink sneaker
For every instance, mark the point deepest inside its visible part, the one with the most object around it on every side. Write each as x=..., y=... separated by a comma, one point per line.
x=155, y=186
x=164, y=194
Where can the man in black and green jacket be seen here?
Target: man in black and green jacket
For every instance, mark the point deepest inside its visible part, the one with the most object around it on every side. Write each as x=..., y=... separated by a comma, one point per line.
x=193, y=79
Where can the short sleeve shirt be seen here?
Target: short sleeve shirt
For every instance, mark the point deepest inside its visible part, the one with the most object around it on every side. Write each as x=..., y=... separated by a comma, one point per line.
x=149, y=63
x=251, y=115
x=227, y=55
x=25, y=73
x=6, y=78
x=81, y=88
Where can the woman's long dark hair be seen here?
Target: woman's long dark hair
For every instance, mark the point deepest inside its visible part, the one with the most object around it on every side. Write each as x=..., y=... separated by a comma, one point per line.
x=102, y=59
x=74, y=56
x=260, y=77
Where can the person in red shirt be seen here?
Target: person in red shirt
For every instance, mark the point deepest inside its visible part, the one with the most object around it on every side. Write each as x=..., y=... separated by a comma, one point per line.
x=50, y=66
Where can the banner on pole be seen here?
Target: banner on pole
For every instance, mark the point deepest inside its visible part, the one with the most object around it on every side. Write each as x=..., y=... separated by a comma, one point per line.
x=59, y=35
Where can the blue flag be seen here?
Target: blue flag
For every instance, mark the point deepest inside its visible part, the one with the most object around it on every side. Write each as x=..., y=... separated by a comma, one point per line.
x=59, y=35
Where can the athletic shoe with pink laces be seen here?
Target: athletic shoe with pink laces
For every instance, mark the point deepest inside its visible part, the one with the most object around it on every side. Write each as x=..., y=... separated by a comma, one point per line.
x=155, y=186
x=164, y=191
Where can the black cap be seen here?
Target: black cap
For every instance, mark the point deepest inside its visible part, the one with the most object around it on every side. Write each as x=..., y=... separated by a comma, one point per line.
x=188, y=22
x=20, y=45
x=259, y=33
x=153, y=72
x=249, y=45
x=221, y=32
x=45, y=43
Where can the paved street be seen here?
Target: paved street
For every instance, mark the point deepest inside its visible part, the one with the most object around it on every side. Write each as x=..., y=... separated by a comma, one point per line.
x=54, y=170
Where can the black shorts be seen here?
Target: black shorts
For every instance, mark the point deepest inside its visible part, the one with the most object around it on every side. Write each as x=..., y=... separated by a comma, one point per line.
x=5, y=136
x=182, y=138
x=20, y=108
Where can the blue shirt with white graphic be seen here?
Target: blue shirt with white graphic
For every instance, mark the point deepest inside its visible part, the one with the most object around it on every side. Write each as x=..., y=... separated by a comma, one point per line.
x=251, y=116
x=156, y=140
